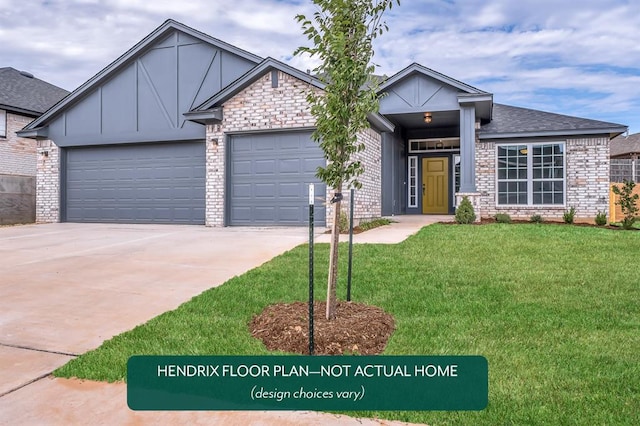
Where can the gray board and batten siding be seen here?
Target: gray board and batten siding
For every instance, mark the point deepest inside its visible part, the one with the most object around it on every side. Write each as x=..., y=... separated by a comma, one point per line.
x=145, y=99
x=269, y=177
x=128, y=153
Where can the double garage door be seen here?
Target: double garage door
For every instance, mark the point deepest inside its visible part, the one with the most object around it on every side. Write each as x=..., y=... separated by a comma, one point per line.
x=268, y=179
x=142, y=183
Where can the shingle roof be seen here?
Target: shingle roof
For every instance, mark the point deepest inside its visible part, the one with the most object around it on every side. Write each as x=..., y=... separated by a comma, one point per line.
x=22, y=93
x=510, y=120
x=625, y=145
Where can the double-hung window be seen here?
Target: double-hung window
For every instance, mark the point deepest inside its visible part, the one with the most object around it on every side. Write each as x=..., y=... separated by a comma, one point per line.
x=531, y=174
x=3, y=123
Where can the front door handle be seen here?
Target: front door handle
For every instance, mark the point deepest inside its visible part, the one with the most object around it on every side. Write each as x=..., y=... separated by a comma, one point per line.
x=423, y=189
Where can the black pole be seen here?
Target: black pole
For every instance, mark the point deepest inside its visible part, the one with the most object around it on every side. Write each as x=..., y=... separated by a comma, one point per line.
x=311, y=201
x=350, y=246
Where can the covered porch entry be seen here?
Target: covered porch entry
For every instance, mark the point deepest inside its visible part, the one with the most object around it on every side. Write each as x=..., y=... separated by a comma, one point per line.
x=430, y=157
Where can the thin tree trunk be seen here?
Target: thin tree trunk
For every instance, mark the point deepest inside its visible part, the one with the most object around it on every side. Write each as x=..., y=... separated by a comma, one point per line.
x=332, y=281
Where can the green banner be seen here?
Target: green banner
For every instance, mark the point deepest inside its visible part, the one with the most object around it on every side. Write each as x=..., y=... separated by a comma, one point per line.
x=337, y=383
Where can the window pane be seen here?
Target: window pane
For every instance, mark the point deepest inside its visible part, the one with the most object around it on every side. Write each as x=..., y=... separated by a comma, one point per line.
x=558, y=198
x=537, y=198
x=522, y=198
x=3, y=123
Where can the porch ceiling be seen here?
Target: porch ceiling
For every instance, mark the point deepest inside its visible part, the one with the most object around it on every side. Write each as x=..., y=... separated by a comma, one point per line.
x=415, y=120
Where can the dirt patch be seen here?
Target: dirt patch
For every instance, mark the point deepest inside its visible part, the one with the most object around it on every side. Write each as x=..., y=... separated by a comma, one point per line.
x=358, y=328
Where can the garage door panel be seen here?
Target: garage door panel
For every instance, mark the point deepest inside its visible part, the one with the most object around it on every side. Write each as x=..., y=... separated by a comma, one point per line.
x=265, y=190
x=271, y=186
x=151, y=183
x=289, y=166
x=291, y=190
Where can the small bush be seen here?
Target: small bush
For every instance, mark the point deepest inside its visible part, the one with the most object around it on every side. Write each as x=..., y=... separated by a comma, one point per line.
x=465, y=213
x=343, y=223
x=502, y=218
x=627, y=202
x=569, y=215
x=601, y=218
x=536, y=218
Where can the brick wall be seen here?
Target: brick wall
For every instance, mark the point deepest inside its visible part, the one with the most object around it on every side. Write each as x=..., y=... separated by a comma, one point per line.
x=368, y=199
x=587, y=180
x=17, y=155
x=48, y=182
x=261, y=107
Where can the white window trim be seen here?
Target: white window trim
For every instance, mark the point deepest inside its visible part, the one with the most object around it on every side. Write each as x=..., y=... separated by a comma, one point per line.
x=436, y=140
x=453, y=177
x=530, y=204
x=412, y=168
x=3, y=123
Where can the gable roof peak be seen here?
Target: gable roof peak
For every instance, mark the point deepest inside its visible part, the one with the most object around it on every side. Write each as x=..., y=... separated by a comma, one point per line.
x=124, y=59
x=416, y=68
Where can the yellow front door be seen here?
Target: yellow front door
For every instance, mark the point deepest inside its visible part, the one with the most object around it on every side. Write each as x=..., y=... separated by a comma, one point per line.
x=435, y=185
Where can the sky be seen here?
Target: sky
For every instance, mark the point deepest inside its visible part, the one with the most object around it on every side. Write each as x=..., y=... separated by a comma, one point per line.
x=574, y=57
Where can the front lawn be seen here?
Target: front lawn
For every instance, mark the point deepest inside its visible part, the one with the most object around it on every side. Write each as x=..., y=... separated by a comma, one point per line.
x=554, y=309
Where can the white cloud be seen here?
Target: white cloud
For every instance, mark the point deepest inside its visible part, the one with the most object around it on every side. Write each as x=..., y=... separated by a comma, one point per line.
x=560, y=54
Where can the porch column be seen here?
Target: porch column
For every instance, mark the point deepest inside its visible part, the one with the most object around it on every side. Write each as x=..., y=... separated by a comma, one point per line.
x=467, y=148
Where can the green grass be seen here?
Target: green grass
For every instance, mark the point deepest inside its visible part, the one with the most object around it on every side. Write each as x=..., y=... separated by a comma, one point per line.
x=636, y=224
x=554, y=309
x=373, y=223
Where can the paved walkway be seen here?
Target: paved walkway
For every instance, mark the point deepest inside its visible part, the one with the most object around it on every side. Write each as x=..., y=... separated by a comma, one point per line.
x=401, y=229
x=65, y=288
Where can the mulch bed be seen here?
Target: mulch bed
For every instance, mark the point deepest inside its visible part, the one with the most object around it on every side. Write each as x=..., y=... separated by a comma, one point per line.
x=358, y=328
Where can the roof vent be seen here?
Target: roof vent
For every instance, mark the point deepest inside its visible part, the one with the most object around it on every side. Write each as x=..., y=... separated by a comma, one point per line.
x=26, y=74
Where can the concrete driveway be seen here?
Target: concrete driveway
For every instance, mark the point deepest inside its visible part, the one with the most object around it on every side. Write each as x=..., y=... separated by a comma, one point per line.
x=65, y=288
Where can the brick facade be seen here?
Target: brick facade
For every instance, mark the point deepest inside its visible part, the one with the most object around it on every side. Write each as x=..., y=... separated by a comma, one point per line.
x=262, y=107
x=17, y=155
x=48, y=183
x=587, y=180
x=368, y=199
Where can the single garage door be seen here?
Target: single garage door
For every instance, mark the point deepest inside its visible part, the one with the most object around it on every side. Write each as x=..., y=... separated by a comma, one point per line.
x=270, y=175
x=148, y=183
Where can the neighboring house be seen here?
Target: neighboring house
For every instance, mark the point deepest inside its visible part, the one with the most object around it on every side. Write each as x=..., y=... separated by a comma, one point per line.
x=625, y=158
x=184, y=128
x=22, y=98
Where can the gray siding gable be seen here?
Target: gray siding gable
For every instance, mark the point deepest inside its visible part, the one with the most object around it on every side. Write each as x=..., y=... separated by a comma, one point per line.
x=417, y=89
x=142, y=96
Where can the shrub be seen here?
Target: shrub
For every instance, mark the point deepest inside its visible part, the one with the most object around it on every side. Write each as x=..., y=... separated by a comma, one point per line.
x=343, y=223
x=569, y=215
x=465, y=212
x=627, y=202
x=601, y=218
x=536, y=218
x=502, y=218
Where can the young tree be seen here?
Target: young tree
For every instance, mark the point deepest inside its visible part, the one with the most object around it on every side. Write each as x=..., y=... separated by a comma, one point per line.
x=628, y=202
x=342, y=33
